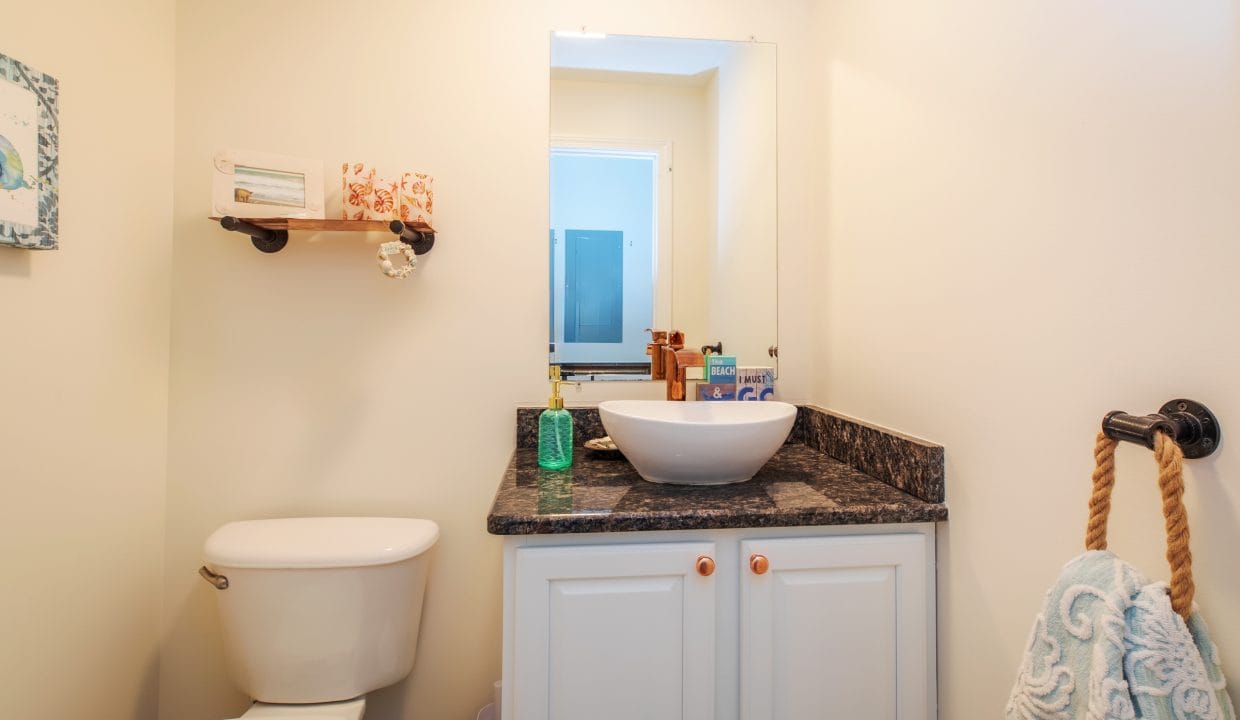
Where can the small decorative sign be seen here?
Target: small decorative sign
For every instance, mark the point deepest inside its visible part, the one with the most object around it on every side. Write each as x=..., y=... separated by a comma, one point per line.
x=29, y=151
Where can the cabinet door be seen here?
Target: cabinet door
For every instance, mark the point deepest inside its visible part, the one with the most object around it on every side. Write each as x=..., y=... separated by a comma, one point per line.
x=835, y=628
x=621, y=632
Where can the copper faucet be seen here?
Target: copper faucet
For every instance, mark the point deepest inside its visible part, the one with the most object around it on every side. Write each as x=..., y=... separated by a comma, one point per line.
x=676, y=362
x=658, y=341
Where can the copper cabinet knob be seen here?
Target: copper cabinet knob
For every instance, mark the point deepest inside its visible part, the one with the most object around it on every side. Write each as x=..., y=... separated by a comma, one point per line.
x=759, y=564
x=705, y=565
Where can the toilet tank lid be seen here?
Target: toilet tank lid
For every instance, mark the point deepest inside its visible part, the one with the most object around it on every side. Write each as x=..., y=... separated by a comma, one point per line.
x=323, y=542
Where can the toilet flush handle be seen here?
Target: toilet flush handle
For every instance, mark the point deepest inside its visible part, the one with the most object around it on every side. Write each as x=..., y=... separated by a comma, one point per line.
x=219, y=581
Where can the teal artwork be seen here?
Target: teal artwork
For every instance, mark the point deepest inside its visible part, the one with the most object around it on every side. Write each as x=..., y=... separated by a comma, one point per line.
x=29, y=155
x=11, y=166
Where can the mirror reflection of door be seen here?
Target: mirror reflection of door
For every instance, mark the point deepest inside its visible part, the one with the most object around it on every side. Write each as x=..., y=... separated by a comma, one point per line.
x=713, y=103
x=593, y=286
x=603, y=230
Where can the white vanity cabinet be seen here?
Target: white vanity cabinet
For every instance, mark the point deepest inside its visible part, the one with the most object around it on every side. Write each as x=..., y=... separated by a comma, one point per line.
x=613, y=631
x=835, y=626
x=744, y=624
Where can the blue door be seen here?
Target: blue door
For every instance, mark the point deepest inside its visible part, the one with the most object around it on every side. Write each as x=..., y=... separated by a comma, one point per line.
x=593, y=286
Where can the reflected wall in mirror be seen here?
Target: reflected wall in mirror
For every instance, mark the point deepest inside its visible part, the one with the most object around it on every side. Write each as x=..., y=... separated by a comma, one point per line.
x=663, y=200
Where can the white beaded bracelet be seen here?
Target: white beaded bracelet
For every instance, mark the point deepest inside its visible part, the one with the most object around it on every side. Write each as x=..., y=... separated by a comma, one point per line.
x=391, y=248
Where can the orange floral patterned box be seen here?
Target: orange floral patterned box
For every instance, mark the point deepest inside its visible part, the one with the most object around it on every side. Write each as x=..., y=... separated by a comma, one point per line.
x=367, y=196
x=417, y=197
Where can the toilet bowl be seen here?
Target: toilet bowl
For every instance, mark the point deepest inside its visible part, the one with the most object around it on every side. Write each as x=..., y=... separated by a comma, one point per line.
x=317, y=612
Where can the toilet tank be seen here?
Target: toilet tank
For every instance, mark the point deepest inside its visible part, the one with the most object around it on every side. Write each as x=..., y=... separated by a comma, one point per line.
x=320, y=609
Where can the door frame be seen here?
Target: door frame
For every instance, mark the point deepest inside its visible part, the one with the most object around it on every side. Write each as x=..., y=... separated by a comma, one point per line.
x=661, y=255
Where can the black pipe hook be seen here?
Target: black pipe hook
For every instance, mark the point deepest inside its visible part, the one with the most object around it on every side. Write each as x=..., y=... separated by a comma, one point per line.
x=1189, y=423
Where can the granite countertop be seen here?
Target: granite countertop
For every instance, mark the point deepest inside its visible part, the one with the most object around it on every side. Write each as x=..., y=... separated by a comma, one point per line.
x=801, y=485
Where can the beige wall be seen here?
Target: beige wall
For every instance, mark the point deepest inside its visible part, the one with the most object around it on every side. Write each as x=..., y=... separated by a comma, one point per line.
x=1033, y=220
x=305, y=382
x=998, y=177
x=994, y=180
x=84, y=374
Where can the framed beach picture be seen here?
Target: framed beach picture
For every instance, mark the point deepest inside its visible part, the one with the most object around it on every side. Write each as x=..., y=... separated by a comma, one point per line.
x=263, y=185
x=29, y=151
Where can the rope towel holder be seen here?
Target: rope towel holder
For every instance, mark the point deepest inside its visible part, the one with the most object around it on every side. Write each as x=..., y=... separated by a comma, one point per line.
x=1181, y=429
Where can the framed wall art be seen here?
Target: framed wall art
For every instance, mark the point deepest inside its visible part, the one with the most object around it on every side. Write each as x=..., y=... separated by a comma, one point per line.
x=29, y=153
x=264, y=185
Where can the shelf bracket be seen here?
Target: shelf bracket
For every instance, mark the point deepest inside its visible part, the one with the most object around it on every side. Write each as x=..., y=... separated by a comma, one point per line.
x=1189, y=423
x=420, y=241
x=266, y=240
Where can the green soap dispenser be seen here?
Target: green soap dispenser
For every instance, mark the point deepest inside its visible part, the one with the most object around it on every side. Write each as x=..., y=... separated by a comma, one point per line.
x=555, y=428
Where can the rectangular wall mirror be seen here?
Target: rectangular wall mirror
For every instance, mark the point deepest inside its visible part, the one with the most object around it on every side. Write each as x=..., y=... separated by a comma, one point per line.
x=663, y=200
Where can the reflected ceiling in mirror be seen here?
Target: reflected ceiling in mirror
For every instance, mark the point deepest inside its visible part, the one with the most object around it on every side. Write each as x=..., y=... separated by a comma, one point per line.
x=663, y=200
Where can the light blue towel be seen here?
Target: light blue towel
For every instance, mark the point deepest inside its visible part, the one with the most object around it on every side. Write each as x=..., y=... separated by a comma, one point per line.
x=1107, y=645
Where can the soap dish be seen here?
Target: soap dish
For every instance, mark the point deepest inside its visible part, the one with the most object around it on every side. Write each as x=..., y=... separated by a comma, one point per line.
x=603, y=447
x=604, y=443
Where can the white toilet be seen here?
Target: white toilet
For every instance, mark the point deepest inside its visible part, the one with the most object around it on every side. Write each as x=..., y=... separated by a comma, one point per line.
x=317, y=612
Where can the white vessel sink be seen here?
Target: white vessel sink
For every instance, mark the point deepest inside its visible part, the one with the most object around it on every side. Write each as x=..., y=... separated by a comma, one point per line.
x=697, y=443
